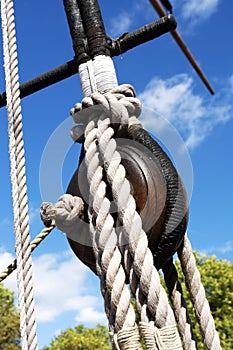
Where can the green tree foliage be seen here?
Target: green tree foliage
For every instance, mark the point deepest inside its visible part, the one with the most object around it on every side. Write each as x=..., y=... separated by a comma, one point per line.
x=9, y=321
x=217, y=279
x=81, y=338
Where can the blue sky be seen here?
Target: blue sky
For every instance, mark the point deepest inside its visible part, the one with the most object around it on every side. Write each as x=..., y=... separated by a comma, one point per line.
x=66, y=292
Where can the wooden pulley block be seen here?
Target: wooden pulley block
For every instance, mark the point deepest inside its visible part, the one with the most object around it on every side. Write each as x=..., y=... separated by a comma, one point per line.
x=158, y=191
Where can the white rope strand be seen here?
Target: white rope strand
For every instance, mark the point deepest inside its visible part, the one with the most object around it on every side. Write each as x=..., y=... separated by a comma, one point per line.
x=179, y=306
x=108, y=257
x=23, y=324
x=198, y=297
x=19, y=195
x=118, y=106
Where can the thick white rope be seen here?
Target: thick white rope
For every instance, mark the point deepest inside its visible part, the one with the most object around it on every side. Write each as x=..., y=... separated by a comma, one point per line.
x=108, y=257
x=122, y=197
x=145, y=275
x=132, y=233
x=19, y=195
x=118, y=106
x=198, y=297
x=179, y=306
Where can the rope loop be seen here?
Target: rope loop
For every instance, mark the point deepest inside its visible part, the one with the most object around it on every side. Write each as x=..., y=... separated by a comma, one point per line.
x=119, y=105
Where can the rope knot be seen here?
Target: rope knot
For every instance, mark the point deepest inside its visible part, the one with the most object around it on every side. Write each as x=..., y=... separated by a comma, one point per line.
x=66, y=213
x=119, y=105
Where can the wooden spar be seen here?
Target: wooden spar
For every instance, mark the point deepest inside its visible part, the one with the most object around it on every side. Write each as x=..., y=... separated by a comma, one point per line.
x=159, y=9
x=116, y=47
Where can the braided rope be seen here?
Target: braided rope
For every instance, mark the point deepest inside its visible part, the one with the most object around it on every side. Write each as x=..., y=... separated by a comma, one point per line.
x=179, y=306
x=198, y=297
x=19, y=195
x=36, y=241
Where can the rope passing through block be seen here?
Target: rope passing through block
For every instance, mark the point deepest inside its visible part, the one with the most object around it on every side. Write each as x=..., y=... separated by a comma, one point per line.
x=118, y=240
x=116, y=109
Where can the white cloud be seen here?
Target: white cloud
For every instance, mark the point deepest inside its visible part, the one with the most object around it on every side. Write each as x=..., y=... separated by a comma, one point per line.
x=5, y=221
x=197, y=10
x=192, y=13
x=6, y=259
x=192, y=115
x=226, y=248
x=34, y=213
x=89, y=316
x=120, y=24
x=61, y=284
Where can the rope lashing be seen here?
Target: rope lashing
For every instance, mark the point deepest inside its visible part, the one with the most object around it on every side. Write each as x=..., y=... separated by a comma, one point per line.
x=160, y=338
x=18, y=178
x=198, y=297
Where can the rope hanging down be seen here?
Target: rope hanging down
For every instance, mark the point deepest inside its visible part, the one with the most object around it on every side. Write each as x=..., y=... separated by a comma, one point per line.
x=198, y=297
x=18, y=178
x=152, y=304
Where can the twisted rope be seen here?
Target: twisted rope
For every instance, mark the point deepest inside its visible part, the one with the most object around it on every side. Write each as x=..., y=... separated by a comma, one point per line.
x=119, y=105
x=36, y=241
x=99, y=115
x=99, y=75
x=18, y=178
x=132, y=231
x=179, y=306
x=198, y=297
